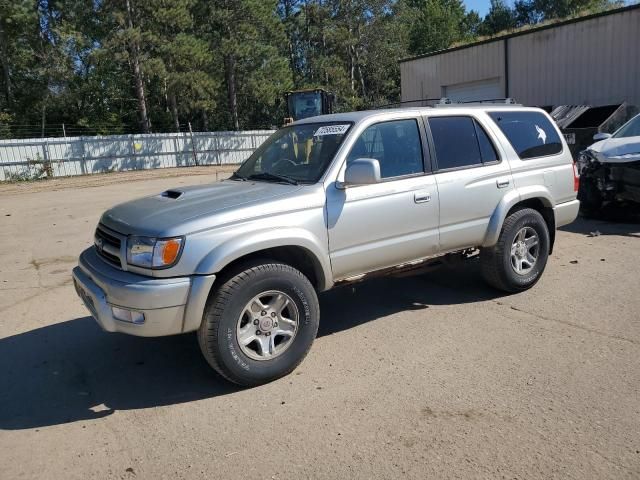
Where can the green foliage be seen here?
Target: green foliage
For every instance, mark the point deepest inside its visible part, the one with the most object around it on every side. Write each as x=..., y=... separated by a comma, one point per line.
x=501, y=17
x=123, y=66
x=530, y=12
x=438, y=24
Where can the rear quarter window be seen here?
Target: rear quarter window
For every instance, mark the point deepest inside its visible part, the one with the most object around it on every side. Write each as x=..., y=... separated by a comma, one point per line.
x=531, y=134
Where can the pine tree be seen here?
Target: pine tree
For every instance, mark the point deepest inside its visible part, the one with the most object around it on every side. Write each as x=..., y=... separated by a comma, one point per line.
x=438, y=25
x=249, y=41
x=499, y=18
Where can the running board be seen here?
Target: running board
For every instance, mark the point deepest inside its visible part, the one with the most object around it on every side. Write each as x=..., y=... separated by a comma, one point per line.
x=414, y=267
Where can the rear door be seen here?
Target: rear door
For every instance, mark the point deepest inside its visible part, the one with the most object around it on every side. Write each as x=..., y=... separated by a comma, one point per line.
x=472, y=177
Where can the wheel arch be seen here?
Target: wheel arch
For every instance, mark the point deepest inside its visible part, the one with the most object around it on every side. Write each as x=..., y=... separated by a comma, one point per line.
x=294, y=246
x=538, y=199
x=296, y=256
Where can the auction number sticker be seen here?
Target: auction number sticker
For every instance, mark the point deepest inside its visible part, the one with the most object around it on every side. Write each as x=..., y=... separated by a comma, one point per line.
x=331, y=130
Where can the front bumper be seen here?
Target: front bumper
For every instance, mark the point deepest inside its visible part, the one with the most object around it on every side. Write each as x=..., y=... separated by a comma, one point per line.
x=169, y=305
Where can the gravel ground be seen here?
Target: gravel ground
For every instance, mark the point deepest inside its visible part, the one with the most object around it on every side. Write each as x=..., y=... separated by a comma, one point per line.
x=432, y=376
x=103, y=179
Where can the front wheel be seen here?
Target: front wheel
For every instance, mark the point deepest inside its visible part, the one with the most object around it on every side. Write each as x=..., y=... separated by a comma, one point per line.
x=260, y=323
x=590, y=197
x=516, y=262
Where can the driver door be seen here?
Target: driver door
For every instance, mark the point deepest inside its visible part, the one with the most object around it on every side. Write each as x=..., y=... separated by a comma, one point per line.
x=381, y=225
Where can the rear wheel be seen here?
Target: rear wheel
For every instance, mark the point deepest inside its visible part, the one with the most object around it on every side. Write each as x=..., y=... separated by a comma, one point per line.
x=260, y=323
x=516, y=262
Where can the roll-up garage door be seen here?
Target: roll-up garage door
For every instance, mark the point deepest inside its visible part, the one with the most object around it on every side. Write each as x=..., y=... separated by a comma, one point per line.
x=469, y=91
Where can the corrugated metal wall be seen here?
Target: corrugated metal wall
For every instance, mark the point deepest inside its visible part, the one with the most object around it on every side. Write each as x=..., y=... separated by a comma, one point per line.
x=427, y=77
x=594, y=61
x=58, y=157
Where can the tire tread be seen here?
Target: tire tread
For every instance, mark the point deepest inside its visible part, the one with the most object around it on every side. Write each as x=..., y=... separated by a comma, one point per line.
x=215, y=307
x=491, y=259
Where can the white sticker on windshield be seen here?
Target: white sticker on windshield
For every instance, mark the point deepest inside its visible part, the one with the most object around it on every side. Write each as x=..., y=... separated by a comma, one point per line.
x=331, y=130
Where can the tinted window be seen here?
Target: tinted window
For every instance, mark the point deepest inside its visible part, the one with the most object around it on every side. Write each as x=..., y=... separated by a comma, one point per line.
x=531, y=134
x=396, y=145
x=455, y=141
x=487, y=150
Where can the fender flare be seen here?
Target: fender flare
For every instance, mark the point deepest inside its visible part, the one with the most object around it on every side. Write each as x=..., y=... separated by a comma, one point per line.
x=239, y=246
x=507, y=202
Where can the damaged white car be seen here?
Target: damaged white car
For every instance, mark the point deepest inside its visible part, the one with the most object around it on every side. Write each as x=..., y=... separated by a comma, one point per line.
x=610, y=168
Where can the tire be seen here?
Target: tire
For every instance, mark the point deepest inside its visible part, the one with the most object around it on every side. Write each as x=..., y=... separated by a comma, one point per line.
x=590, y=197
x=230, y=314
x=498, y=267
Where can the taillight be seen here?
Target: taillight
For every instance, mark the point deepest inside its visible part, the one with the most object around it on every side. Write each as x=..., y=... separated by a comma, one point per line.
x=576, y=177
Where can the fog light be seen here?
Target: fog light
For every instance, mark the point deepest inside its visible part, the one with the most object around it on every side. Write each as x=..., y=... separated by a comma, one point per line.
x=130, y=316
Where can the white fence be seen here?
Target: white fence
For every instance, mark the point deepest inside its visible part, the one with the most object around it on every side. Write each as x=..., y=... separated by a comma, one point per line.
x=60, y=157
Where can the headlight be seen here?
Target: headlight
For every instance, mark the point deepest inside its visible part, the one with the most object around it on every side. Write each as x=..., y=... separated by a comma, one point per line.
x=153, y=252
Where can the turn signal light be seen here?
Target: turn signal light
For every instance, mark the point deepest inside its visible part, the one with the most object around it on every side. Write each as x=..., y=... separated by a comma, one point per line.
x=169, y=251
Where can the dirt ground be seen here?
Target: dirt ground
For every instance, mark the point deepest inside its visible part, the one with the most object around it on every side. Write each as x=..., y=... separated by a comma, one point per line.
x=433, y=376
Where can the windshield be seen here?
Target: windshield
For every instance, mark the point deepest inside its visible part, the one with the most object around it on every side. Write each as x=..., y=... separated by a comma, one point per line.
x=629, y=129
x=299, y=153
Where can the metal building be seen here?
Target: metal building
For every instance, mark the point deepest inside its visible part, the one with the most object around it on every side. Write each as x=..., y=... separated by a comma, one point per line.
x=593, y=60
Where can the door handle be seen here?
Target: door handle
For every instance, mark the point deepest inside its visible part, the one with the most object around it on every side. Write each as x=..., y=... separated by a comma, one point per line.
x=502, y=183
x=422, y=197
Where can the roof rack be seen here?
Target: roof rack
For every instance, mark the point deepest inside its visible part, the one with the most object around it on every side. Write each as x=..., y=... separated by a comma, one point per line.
x=404, y=102
x=447, y=102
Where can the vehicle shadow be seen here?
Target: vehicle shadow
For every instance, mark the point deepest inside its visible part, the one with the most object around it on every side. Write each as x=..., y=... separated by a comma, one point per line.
x=73, y=371
x=597, y=226
x=349, y=306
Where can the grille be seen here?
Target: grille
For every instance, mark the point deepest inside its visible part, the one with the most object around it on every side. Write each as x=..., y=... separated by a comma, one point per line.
x=108, y=245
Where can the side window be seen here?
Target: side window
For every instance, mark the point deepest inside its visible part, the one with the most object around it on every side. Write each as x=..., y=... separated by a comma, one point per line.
x=531, y=134
x=395, y=144
x=455, y=141
x=487, y=150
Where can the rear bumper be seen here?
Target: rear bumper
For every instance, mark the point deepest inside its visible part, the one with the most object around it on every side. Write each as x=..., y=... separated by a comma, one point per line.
x=169, y=305
x=565, y=213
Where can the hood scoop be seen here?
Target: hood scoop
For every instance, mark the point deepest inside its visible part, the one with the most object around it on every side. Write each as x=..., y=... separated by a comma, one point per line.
x=172, y=194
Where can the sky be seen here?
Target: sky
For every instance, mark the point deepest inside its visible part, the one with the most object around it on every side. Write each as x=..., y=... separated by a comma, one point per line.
x=480, y=6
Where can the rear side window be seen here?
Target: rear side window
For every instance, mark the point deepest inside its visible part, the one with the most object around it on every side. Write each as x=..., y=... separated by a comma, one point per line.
x=487, y=150
x=460, y=142
x=531, y=134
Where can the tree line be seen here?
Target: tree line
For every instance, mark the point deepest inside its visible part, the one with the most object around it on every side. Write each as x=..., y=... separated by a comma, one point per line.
x=128, y=66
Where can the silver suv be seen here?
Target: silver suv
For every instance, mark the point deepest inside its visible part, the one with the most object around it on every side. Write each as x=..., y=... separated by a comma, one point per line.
x=324, y=202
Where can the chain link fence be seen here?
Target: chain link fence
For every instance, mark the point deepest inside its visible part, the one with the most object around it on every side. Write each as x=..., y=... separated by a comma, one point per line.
x=31, y=159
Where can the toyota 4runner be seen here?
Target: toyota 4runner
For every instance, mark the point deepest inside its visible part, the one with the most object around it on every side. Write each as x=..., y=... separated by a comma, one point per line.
x=326, y=201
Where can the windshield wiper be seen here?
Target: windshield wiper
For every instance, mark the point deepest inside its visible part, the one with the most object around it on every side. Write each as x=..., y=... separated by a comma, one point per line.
x=235, y=176
x=272, y=176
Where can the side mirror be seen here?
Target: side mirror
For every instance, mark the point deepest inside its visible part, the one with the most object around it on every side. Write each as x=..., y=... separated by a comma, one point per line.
x=362, y=171
x=601, y=136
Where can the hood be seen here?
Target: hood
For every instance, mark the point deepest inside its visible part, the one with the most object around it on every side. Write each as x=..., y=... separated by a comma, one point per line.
x=617, y=150
x=164, y=213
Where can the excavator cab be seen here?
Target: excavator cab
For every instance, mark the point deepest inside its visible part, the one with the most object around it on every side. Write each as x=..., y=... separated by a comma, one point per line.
x=308, y=103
